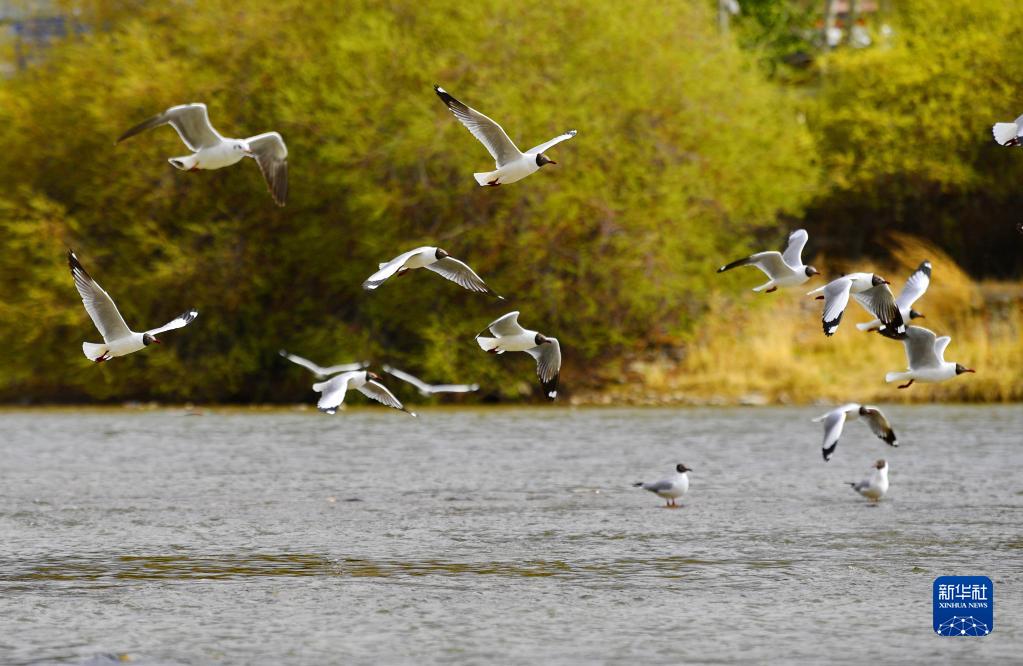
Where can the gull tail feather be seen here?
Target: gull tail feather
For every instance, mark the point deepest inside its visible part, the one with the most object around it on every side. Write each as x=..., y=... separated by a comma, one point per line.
x=896, y=376
x=94, y=351
x=319, y=386
x=1004, y=132
x=486, y=344
x=484, y=179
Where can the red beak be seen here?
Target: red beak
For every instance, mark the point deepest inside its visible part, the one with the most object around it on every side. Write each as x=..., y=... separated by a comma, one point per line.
x=971, y=370
x=552, y=162
x=157, y=341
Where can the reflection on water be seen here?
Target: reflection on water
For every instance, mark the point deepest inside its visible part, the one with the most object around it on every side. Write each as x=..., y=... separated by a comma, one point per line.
x=506, y=535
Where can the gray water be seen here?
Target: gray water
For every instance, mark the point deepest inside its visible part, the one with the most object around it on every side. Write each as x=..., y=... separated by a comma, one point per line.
x=505, y=535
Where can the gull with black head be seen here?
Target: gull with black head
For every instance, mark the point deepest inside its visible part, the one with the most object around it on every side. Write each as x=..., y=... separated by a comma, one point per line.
x=434, y=259
x=871, y=291
x=669, y=489
x=835, y=420
x=783, y=269
x=368, y=383
x=508, y=335
x=925, y=353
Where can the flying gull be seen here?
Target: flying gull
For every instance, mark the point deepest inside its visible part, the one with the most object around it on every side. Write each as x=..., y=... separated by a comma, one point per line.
x=512, y=164
x=1008, y=134
x=669, y=489
x=321, y=371
x=835, y=420
x=368, y=383
x=118, y=339
x=914, y=288
x=876, y=485
x=434, y=259
x=212, y=151
x=509, y=336
x=783, y=269
x=926, y=356
x=430, y=389
x=870, y=291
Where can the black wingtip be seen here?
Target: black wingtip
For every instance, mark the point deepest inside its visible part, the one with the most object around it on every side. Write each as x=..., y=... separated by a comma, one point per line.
x=638, y=484
x=828, y=452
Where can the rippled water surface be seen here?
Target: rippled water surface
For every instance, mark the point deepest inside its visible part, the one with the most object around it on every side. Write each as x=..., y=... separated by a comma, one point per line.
x=505, y=535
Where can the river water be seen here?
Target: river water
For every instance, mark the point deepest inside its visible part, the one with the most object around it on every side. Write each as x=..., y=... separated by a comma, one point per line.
x=499, y=535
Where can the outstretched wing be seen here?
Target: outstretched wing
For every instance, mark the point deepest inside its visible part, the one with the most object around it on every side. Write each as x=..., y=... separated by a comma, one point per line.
x=460, y=273
x=182, y=320
x=271, y=155
x=921, y=348
x=489, y=133
x=836, y=298
x=548, y=365
x=793, y=254
x=940, y=344
x=880, y=302
x=770, y=262
x=879, y=425
x=191, y=122
x=98, y=304
x=423, y=387
x=553, y=142
x=304, y=362
x=504, y=326
x=379, y=392
x=390, y=268
x=834, y=421
x=915, y=286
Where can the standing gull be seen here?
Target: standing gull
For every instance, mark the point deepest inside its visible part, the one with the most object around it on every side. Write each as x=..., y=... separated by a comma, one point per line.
x=925, y=353
x=509, y=336
x=118, y=339
x=321, y=371
x=835, y=420
x=434, y=259
x=782, y=269
x=367, y=383
x=870, y=291
x=512, y=164
x=914, y=288
x=669, y=489
x=212, y=151
x=876, y=485
x=430, y=389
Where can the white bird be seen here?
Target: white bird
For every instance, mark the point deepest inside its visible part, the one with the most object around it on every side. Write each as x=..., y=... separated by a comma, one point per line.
x=669, y=489
x=914, y=288
x=925, y=353
x=430, y=389
x=367, y=383
x=509, y=336
x=321, y=371
x=512, y=164
x=835, y=420
x=876, y=485
x=212, y=151
x=870, y=291
x=782, y=269
x=1008, y=134
x=118, y=339
x=434, y=259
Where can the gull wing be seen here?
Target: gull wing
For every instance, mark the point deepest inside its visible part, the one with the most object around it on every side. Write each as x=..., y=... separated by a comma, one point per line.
x=460, y=273
x=879, y=425
x=548, y=365
x=98, y=304
x=921, y=348
x=271, y=155
x=793, y=254
x=834, y=421
x=553, y=142
x=191, y=121
x=940, y=344
x=915, y=286
x=504, y=326
x=182, y=320
x=321, y=371
x=379, y=392
x=490, y=134
x=880, y=302
x=422, y=386
x=770, y=262
x=836, y=298
x=390, y=268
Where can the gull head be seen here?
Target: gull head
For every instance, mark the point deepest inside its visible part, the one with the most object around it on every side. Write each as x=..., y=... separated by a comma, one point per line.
x=682, y=469
x=881, y=464
x=441, y=254
x=542, y=159
x=244, y=148
x=913, y=314
x=541, y=339
x=148, y=339
x=811, y=271
x=960, y=369
x=878, y=280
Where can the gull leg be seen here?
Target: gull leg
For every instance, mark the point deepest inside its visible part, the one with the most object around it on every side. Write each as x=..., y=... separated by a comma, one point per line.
x=771, y=289
x=907, y=384
x=819, y=298
x=493, y=183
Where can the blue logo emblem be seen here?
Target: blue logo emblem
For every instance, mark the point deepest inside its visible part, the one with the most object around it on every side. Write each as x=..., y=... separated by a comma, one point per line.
x=964, y=606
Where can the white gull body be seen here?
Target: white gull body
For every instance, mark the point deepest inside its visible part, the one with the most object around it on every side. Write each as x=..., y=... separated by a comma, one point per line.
x=669, y=489
x=874, y=486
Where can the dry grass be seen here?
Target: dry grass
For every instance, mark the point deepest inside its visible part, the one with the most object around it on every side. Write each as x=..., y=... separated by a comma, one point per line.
x=770, y=347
